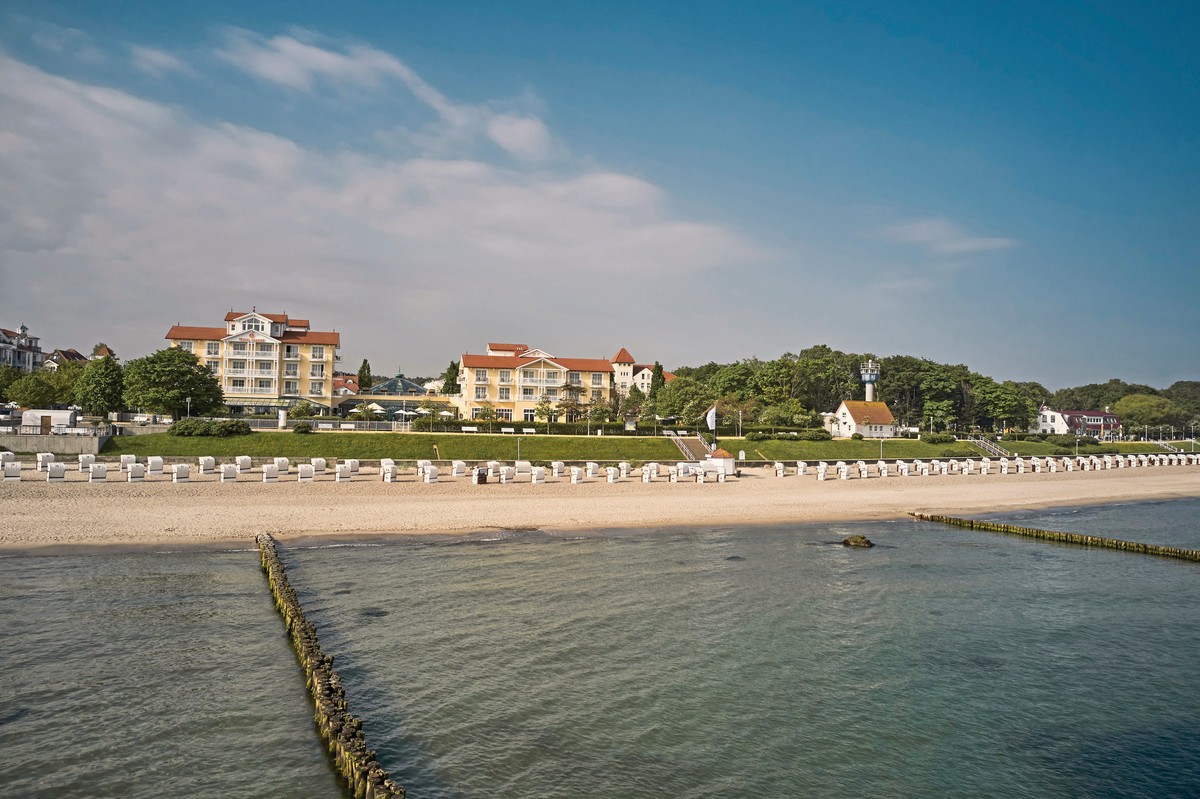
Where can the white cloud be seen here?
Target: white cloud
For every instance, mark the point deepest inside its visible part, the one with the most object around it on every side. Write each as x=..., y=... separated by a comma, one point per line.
x=155, y=63
x=119, y=217
x=523, y=137
x=67, y=41
x=940, y=236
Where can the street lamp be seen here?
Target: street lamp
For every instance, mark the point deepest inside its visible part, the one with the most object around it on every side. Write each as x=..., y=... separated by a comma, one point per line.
x=518, y=448
x=189, y=405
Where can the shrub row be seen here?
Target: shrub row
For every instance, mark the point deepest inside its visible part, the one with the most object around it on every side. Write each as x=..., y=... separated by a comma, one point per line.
x=817, y=434
x=209, y=427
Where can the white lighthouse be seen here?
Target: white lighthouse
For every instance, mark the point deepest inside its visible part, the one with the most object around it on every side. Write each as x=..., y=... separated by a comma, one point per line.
x=869, y=373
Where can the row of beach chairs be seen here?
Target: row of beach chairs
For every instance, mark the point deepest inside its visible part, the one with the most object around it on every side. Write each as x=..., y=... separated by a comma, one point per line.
x=347, y=470
x=985, y=466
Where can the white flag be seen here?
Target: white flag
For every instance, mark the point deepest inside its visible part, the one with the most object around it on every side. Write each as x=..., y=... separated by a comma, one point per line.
x=711, y=418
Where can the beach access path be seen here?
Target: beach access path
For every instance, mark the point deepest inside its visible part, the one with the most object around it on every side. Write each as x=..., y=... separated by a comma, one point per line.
x=204, y=512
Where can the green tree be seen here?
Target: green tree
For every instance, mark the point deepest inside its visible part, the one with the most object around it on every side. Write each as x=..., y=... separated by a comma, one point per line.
x=163, y=381
x=544, y=410
x=1147, y=409
x=31, y=391
x=63, y=381
x=100, y=387
x=1185, y=394
x=631, y=403
x=302, y=410
x=8, y=375
x=732, y=380
x=450, y=379
x=365, y=380
x=657, y=380
x=684, y=399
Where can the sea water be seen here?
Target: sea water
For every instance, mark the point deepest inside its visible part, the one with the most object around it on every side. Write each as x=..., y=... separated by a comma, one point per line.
x=725, y=661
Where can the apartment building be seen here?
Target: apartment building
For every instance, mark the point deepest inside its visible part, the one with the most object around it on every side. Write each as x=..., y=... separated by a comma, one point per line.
x=20, y=350
x=510, y=380
x=265, y=361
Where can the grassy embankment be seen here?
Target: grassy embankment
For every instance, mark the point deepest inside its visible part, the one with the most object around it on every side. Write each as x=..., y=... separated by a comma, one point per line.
x=847, y=450
x=401, y=446
x=1042, y=449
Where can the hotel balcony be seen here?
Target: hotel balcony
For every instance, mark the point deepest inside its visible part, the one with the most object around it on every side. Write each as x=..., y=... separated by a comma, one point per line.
x=250, y=390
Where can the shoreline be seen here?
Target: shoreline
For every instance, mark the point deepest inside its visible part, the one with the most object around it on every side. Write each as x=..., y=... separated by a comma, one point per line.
x=37, y=517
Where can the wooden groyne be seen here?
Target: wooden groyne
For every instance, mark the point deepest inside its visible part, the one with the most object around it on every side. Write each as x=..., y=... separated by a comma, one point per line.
x=343, y=733
x=1076, y=539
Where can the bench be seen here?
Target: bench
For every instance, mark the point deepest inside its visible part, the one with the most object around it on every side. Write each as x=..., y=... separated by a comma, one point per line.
x=324, y=426
x=347, y=426
x=470, y=429
x=529, y=431
x=508, y=430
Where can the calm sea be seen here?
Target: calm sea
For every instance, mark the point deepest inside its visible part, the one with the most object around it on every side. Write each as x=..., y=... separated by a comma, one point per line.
x=730, y=661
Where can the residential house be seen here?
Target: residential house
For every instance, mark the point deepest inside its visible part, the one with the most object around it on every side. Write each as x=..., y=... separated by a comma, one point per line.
x=20, y=350
x=510, y=380
x=62, y=357
x=871, y=419
x=265, y=361
x=627, y=373
x=1099, y=424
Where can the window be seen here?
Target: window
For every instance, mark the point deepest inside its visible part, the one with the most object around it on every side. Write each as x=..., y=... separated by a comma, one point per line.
x=186, y=346
x=291, y=387
x=475, y=412
x=504, y=414
x=597, y=378
x=624, y=385
x=505, y=394
x=253, y=324
x=291, y=370
x=574, y=378
x=530, y=414
x=238, y=384
x=480, y=392
x=529, y=374
x=506, y=375
x=596, y=394
x=317, y=370
x=264, y=385
x=213, y=349
x=527, y=394
x=239, y=347
x=552, y=393
x=291, y=351
x=266, y=349
x=213, y=366
x=481, y=375
x=316, y=388
x=318, y=353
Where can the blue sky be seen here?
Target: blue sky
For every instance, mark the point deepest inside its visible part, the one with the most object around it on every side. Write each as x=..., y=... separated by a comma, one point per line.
x=1007, y=185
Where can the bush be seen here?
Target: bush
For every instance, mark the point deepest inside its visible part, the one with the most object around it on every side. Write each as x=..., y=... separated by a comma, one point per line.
x=818, y=434
x=302, y=427
x=857, y=436
x=939, y=438
x=221, y=428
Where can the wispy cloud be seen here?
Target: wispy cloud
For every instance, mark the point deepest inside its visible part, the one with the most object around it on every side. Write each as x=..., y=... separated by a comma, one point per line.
x=941, y=236
x=155, y=63
x=66, y=41
x=302, y=60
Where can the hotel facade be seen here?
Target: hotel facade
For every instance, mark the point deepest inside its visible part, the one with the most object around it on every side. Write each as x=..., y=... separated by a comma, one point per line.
x=511, y=380
x=265, y=361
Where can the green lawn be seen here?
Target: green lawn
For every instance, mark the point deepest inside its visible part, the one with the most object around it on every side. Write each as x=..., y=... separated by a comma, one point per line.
x=402, y=446
x=1043, y=448
x=847, y=449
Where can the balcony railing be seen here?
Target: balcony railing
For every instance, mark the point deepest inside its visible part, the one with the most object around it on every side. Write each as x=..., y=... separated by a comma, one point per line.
x=250, y=390
x=541, y=381
x=263, y=373
x=291, y=356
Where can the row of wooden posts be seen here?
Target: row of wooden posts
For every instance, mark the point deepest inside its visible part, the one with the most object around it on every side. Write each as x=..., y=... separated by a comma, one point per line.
x=1077, y=539
x=342, y=732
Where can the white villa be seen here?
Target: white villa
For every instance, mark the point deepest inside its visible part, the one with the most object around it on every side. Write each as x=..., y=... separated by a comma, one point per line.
x=871, y=419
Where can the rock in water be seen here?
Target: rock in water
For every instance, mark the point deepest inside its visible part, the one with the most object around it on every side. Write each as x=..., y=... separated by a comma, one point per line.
x=857, y=541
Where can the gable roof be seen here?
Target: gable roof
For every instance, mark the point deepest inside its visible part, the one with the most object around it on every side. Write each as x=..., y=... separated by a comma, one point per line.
x=470, y=361
x=622, y=356
x=862, y=411
x=515, y=349
x=69, y=354
x=638, y=368
x=200, y=333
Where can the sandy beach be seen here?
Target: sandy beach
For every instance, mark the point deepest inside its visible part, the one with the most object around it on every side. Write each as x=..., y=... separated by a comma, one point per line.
x=35, y=514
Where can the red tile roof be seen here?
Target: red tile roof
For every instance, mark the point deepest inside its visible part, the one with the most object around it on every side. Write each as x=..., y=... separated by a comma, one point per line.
x=184, y=332
x=513, y=348
x=278, y=318
x=516, y=362
x=311, y=337
x=622, y=356
x=869, y=412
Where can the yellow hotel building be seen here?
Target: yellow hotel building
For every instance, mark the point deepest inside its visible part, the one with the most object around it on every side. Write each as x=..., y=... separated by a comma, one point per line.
x=511, y=379
x=265, y=361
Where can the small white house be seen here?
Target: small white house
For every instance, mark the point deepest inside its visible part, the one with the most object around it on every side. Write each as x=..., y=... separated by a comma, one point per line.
x=871, y=419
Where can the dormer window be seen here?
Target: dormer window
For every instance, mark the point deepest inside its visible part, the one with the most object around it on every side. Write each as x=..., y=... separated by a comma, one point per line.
x=253, y=324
